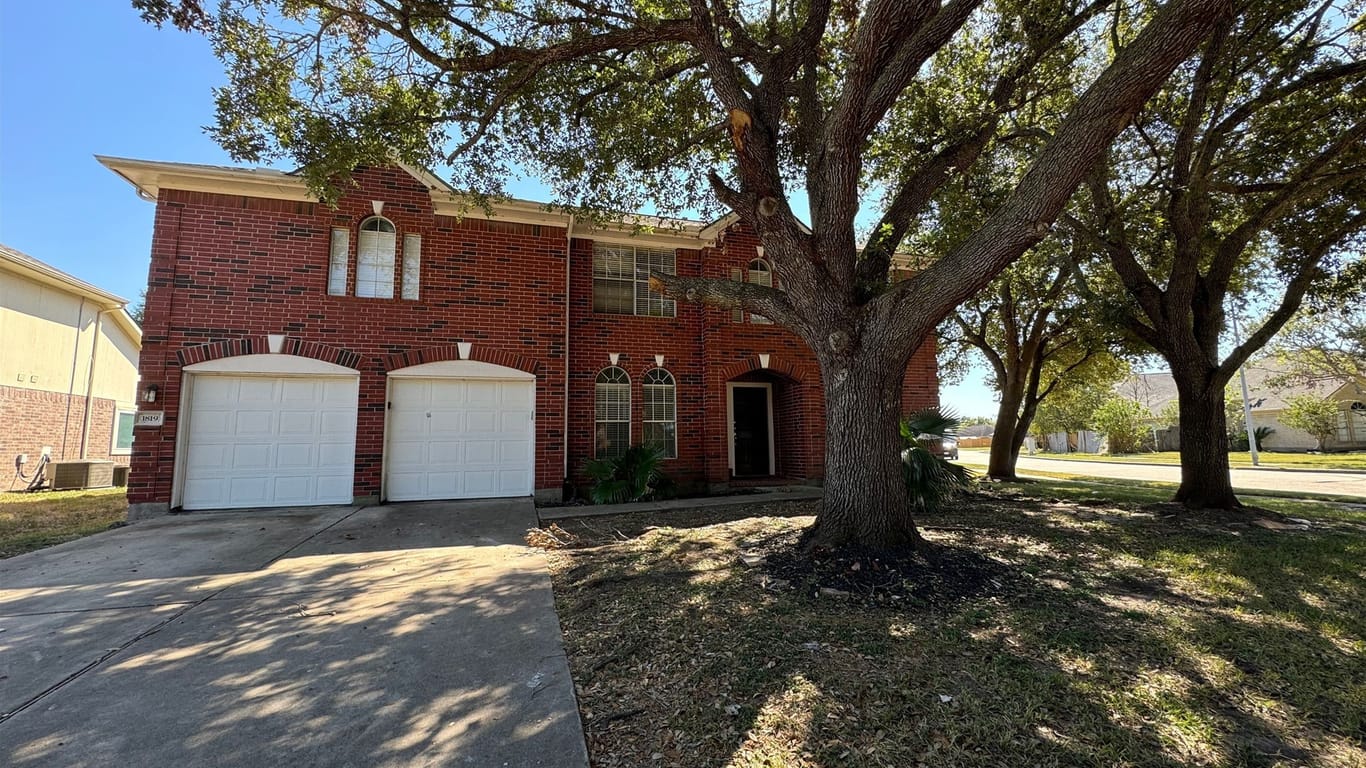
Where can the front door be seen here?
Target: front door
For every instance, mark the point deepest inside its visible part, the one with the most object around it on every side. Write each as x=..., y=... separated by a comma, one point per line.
x=750, y=411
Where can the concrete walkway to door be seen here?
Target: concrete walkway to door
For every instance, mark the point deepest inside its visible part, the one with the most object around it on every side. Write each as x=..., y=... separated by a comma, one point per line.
x=409, y=635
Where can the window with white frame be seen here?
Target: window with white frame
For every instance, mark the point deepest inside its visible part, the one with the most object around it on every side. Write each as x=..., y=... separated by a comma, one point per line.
x=612, y=413
x=412, y=266
x=621, y=280
x=661, y=412
x=375, y=259
x=760, y=273
x=122, y=442
x=339, y=261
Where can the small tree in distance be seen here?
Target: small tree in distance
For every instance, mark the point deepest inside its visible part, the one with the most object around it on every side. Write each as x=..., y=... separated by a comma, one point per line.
x=1123, y=422
x=1316, y=415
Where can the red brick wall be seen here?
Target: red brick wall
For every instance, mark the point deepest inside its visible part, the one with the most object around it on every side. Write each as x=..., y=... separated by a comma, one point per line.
x=705, y=349
x=232, y=268
x=33, y=418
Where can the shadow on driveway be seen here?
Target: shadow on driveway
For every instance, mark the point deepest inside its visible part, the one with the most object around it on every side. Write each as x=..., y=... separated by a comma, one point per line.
x=411, y=635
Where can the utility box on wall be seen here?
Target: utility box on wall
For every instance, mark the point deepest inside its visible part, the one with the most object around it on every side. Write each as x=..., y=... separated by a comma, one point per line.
x=75, y=475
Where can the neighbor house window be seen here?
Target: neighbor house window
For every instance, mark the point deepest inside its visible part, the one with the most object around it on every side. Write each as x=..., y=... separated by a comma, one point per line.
x=412, y=265
x=339, y=261
x=621, y=280
x=123, y=432
x=661, y=412
x=612, y=397
x=375, y=259
x=760, y=273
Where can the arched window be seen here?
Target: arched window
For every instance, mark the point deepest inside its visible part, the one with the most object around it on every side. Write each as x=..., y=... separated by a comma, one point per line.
x=612, y=398
x=760, y=273
x=661, y=412
x=375, y=259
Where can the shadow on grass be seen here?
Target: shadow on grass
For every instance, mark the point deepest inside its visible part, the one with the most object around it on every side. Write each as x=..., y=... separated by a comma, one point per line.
x=1129, y=642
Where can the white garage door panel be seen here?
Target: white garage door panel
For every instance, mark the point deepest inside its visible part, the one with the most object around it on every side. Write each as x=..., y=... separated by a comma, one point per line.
x=460, y=439
x=270, y=441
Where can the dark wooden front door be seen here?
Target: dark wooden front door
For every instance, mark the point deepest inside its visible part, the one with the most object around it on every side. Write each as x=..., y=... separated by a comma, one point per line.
x=750, y=408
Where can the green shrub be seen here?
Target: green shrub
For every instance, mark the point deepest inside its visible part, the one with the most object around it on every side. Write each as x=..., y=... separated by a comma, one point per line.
x=930, y=479
x=1123, y=422
x=635, y=475
x=1316, y=415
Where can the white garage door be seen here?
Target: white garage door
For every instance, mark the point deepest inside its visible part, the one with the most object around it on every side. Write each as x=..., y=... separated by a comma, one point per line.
x=460, y=438
x=270, y=441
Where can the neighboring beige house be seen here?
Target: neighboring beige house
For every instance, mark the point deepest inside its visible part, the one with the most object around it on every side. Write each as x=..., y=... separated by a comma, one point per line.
x=1155, y=390
x=68, y=367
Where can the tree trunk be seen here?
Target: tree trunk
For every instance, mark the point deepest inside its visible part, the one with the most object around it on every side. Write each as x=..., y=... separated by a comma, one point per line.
x=865, y=502
x=1205, y=481
x=1005, y=447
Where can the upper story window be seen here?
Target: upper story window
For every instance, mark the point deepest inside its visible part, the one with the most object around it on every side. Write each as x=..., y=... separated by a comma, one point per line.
x=760, y=273
x=375, y=259
x=612, y=413
x=621, y=280
x=661, y=412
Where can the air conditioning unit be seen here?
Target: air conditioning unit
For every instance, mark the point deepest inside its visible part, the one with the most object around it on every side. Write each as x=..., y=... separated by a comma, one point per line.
x=75, y=475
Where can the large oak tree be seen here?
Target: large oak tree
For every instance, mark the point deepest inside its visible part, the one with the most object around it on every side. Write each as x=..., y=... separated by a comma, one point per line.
x=622, y=102
x=1244, y=177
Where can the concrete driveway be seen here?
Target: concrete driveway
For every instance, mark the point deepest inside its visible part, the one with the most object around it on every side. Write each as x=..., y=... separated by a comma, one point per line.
x=1244, y=478
x=410, y=635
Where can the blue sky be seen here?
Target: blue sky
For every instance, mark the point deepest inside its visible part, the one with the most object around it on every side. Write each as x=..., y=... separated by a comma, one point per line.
x=109, y=84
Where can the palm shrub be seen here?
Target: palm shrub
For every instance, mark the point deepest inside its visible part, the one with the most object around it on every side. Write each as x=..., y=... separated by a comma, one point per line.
x=930, y=479
x=635, y=475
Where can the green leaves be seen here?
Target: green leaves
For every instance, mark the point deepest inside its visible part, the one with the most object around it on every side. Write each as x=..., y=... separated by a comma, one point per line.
x=635, y=475
x=930, y=479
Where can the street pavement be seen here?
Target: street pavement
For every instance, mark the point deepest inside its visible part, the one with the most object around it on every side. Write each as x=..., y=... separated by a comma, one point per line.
x=1250, y=479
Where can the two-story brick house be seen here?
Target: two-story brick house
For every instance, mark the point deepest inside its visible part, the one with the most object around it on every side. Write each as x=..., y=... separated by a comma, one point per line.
x=403, y=345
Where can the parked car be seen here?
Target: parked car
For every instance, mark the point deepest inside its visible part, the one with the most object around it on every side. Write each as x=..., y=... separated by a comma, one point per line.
x=950, y=449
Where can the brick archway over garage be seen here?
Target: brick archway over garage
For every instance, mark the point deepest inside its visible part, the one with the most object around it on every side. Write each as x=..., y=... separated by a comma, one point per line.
x=478, y=352
x=798, y=372
x=260, y=345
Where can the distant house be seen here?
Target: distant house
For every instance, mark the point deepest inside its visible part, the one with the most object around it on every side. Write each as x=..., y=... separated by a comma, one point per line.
x=68, y=366
x=1268, y=398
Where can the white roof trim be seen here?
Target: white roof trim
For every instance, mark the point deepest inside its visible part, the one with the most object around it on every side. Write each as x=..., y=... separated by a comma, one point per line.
x=284, y=365
x=461, y=369
x=33, y=269
x=149, y=177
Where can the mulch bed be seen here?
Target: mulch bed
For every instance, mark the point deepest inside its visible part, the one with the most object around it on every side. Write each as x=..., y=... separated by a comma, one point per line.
x=935, y=576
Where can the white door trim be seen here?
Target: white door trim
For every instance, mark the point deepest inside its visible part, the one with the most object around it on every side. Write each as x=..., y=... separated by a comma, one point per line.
x=270, y=365
x=250, y=366
x=731, y=386
x=453, y=369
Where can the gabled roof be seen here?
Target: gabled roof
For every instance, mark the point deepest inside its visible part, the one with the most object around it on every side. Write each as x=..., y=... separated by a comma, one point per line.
x=1155, y=390
x=32, y=268
x=149, y=177
x=20, y=263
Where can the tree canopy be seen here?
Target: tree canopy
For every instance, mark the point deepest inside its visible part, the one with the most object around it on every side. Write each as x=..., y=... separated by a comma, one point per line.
x=1244, y=176
x=621, y=102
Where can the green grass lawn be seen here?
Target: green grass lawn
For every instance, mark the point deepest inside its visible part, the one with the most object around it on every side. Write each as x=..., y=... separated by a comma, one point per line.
x=1326, y=461
x=1125, y=639
x=30, y=521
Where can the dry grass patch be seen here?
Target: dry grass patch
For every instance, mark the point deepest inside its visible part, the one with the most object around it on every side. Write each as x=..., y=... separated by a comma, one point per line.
x=30, y=521
x=1125, y=639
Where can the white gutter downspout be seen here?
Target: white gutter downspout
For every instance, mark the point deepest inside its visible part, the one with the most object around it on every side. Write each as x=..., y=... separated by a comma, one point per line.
x=90, y=382
x=568, y=255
